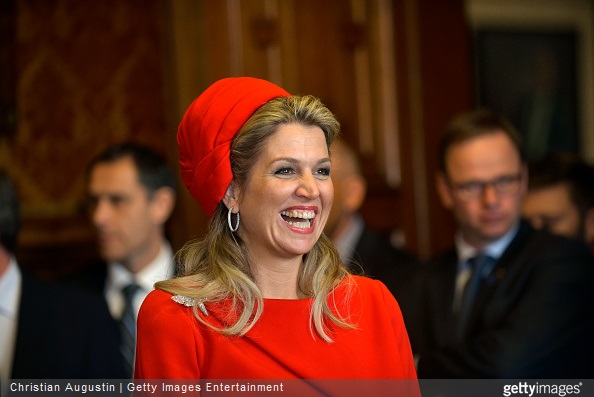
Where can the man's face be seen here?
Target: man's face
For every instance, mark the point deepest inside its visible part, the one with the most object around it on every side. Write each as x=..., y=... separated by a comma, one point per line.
x=484, y=187
x=349, y=190
x=551, y=208
x=122, y=213
x=339, y=177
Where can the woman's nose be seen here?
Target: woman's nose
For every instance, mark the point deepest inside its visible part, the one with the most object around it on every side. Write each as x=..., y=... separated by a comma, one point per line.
x=308, y=187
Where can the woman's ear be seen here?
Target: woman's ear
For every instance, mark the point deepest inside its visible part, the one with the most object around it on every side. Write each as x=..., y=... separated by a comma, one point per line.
x=230, y=198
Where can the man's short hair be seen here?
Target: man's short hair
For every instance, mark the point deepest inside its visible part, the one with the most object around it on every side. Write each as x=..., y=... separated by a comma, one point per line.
x=10, y=216
x=564, y=168
x=473, y=124
x=153, y=170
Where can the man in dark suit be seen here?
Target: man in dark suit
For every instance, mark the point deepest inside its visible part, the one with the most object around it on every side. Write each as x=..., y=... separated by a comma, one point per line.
x=361, y=248
x=507, y=301
x=131, y=191
x=48, y=331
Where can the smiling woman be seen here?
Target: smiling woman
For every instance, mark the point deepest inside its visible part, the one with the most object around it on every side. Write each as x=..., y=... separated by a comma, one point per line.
x=285, y=203
x=264, y=294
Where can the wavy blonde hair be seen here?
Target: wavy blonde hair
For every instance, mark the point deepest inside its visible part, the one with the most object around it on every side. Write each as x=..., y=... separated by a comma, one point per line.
x=216, y=268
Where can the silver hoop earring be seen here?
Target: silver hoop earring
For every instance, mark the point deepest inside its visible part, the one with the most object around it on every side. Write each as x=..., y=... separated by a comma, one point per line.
x=233, y=229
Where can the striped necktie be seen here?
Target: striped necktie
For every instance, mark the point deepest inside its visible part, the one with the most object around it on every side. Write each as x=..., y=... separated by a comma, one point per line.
x=128, y=328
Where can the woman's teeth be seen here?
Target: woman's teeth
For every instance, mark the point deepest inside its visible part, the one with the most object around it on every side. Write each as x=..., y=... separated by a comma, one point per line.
x=300, y=219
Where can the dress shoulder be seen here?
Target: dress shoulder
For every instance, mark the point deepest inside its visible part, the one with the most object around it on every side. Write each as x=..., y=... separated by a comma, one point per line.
x=156, y=298
x=158, y=303
x=368, y=286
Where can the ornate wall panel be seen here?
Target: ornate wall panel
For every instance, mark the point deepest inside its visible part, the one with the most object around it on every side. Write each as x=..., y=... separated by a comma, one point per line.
x=89, y=75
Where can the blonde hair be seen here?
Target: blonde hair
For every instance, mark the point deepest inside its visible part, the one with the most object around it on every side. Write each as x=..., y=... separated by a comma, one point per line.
x=216, y=267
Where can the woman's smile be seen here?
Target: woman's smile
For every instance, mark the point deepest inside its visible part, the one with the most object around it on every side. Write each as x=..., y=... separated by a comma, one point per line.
x=300, y=220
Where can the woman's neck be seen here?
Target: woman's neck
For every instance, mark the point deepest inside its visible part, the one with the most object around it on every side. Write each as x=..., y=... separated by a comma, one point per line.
x=277, y=279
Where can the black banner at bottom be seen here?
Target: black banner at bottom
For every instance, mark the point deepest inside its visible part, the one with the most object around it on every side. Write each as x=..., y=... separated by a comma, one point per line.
x=301, y=387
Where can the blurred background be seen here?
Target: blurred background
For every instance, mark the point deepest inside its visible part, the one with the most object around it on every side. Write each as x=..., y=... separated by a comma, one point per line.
x=77, y=76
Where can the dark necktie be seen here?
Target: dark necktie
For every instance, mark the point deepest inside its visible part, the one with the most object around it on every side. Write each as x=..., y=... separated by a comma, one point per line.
x=481, y=266
x=128, y=328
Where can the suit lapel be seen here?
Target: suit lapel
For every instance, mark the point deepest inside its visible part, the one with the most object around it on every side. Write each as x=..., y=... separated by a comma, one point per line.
x=31, y=318
x=509, y=261
x=441, y=292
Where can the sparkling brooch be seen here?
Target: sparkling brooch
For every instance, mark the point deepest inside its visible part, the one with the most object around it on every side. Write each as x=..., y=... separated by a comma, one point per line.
x=189, y=302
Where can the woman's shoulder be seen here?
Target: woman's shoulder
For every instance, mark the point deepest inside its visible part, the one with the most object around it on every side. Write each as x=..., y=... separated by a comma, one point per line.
x=157, y=297
x=161, y=309
x=366, y=300
x=366, y=287
x=366, y=284
x=159, y=301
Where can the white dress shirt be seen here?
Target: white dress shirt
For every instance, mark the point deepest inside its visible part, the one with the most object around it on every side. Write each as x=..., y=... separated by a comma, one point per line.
x=161, y=268
x=10, y=294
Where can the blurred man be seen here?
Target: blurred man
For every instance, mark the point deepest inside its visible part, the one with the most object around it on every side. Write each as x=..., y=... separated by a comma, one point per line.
x=361, y=248
x=560, y=196
x=48, y=331
x=131, y=192
x=507, y=301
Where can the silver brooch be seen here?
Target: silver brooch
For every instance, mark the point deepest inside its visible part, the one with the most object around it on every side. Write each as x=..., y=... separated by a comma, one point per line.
x=189, y=302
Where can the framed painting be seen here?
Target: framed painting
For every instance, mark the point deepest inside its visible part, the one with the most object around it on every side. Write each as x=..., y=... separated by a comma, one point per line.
x=531, y=77
x=534, y=62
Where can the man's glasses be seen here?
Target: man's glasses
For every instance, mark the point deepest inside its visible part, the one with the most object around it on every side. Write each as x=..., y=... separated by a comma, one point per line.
x=506, y=185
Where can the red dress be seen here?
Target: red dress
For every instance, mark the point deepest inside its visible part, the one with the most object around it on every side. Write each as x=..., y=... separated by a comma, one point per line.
x=172, y=344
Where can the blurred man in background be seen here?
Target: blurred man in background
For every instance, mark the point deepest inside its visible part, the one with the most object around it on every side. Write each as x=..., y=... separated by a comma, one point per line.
x=507, y=301
x=132, y=192
x=362, y=249
x=48, y=331
x=560, y=196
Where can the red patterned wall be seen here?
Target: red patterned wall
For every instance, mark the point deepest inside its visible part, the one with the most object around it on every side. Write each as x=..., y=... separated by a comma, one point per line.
x=88, y=74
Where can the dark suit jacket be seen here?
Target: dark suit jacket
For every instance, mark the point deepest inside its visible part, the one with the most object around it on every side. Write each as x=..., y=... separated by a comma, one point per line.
x=377, y=258
x=533, y=318
x=92, y=278
x=64, y=333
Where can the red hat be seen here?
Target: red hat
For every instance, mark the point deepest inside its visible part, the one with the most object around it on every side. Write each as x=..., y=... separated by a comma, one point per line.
x=206, y=130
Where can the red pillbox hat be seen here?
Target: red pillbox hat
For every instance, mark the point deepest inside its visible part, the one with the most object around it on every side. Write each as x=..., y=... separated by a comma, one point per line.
x=207, y=128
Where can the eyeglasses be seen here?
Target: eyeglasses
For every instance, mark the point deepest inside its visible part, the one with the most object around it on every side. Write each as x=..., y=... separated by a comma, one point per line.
x=506, y=185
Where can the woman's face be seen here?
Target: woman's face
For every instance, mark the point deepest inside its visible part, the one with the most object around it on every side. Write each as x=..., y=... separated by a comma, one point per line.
x=288, y=195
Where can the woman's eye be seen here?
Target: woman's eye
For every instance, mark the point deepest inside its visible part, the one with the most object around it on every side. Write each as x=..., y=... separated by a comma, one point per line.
x=325, y=171
x=284, y=171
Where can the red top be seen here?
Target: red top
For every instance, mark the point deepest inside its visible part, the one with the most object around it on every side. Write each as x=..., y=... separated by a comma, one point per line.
x=172, y=344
